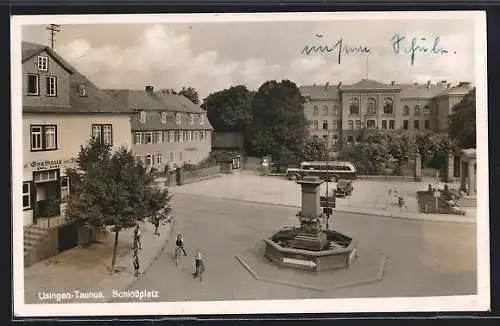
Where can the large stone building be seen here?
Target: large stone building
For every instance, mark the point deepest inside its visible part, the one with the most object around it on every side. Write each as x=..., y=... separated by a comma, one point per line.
x=338, y=113
x=167, y=129
x=61, y=110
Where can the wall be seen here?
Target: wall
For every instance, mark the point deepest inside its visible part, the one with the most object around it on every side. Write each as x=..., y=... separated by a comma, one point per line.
x=54, y=69
x=412, y=117
x=333, y=118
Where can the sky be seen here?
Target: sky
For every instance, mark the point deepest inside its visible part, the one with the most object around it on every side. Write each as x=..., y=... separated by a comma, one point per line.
x=212, y=56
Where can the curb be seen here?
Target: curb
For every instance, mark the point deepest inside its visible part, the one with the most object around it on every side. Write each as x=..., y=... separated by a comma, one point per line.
x=148, y=265
x=375, y=279
x=344, y=210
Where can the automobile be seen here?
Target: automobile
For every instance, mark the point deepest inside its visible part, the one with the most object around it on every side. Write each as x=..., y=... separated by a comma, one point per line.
x=344, y=188
x=455, y=208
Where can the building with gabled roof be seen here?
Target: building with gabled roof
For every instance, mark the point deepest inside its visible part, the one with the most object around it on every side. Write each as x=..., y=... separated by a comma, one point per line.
x=167, y=129
x=338, y=113
x=61, y=111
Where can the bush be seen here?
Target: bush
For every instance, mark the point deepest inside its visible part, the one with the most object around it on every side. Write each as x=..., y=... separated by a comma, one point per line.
x=205, y=163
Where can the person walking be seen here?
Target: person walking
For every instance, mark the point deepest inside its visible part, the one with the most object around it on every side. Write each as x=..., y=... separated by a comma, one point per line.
x=198, y=264
x=157, y=225
x=137, y=238
x=137, y=266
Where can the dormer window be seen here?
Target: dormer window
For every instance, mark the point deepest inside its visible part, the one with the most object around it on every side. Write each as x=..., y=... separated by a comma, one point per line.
x=178, y=118
x=191, y=119
x=42, y=63
x=163, y=117
x=202, y=119
x=142, y=117
x=82, y=90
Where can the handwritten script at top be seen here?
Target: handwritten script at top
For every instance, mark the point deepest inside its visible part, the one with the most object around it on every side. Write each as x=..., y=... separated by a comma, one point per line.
x=401, y=45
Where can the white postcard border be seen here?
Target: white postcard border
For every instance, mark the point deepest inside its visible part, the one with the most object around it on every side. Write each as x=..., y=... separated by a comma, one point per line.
x=479, y=302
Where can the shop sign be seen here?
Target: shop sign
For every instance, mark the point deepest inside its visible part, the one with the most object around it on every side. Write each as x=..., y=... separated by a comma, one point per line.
x=47, y=164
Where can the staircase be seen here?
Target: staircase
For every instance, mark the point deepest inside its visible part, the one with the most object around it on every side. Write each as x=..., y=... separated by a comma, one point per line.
x=34, y=235
x=467, y=201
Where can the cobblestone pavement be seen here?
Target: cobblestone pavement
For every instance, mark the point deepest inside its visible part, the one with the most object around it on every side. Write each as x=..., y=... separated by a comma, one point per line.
x=424, y=258
x=87, y=270
x=368, y=197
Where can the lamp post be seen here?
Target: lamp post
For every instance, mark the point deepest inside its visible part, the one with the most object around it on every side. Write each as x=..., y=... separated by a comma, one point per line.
x=328, y=208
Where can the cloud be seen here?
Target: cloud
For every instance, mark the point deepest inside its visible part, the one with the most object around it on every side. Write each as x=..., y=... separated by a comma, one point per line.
x=166, y=60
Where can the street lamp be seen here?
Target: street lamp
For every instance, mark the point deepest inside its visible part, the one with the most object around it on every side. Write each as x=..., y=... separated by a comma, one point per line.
x=327, y=201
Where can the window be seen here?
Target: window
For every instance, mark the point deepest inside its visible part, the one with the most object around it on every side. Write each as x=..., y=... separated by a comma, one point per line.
x=33, y=84
x=334, y=124
x=339, y=124
x=416, y=124
x=384, y=124
x=180, y=137
x=149, y=138
x=325, y=138
x=417, y=110
x=202, y=135
x=44, y=176
x=43, y=137
x=189, y=136
x=315, y=124
x=159, y=137
x=325, y=110
x=405, y=124
x=103, y=133
x=371, y=106
x=195, y=135
x=171, y=136
x=335, y=139
x=138, y=138
x=315, y=111
x=64, y=182
x=26, y=195
x=42, y=63
x=349, y=139
x=325, y=125
x=426, y=124
x=158, y=159
x=392, y=124
x=191, y=119
x=178, y=118
x=370, y=124
x=388, y=106
x=406, y=110
x=142, y=117
x=351, y=124
x=357, y=124
x=427, y=110
x=82, y=90
x=335, y=111
x=163, y=117
x=149, y=160
x=51, y=84
x=354, y=106
x=202, y=119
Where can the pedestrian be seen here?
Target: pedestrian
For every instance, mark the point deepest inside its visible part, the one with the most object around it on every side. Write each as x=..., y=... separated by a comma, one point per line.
x=198, y=264
x=136, y=263
x=157, y=224
x=179, y=242
x=137, y=238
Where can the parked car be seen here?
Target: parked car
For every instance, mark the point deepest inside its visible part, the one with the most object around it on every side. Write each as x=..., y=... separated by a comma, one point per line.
x=344, y=188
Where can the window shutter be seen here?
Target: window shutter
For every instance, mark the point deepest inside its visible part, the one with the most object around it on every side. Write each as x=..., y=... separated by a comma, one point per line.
x=33, y=197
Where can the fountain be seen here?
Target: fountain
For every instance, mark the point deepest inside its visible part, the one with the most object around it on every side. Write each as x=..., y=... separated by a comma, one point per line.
x=310, y=246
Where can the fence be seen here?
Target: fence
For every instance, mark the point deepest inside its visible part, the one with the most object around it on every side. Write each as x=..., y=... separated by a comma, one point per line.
x=198, y=175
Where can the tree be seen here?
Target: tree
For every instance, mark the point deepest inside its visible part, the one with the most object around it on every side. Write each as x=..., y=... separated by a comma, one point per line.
x=229, y=110
x=463, y=121
x=111, y=189
x=191, y=94
x=314, y=150
x=279, y=126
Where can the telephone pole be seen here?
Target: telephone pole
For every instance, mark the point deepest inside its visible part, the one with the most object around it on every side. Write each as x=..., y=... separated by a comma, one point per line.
x=53, y=28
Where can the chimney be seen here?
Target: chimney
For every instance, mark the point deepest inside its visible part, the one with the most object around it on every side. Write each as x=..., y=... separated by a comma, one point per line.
x=428, y=84
x=393, y=82
x=149, y=89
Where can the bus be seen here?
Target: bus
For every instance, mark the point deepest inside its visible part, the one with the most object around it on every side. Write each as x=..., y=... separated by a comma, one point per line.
x=328, y=171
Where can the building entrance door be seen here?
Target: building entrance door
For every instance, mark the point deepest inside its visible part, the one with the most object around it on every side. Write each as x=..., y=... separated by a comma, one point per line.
x=48, y=197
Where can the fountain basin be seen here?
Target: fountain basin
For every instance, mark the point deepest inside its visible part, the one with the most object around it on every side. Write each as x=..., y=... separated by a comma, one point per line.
x=338, y=252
